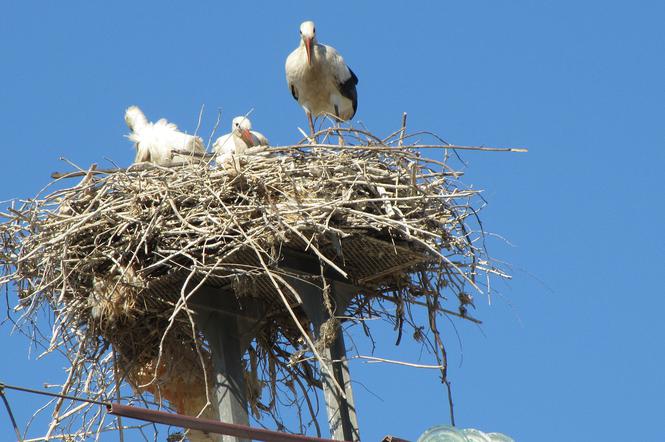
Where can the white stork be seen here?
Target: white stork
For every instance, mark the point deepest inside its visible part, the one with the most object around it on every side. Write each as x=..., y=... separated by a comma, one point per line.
x=155, y=142
x=241, y=138
x=320, y=80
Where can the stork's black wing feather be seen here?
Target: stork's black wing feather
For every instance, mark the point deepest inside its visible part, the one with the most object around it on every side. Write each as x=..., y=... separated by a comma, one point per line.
x=294, y=93
x=348, y=90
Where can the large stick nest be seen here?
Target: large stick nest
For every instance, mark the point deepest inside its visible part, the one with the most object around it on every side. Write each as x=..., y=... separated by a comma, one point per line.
x=117, y=257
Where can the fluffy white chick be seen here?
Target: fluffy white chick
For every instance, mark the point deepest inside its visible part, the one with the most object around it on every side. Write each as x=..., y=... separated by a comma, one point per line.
x=155, y=142
x=238, y=140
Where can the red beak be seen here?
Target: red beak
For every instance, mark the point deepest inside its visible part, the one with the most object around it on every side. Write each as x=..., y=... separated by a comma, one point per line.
x=247, y=137
x=308, y=48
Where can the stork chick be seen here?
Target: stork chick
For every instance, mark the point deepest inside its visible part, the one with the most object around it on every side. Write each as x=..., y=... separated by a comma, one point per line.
x=156, y=142
x=320, y=80
x=241, y=138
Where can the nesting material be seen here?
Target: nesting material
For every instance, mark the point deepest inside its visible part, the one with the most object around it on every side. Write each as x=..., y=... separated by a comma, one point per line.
x=116, y=256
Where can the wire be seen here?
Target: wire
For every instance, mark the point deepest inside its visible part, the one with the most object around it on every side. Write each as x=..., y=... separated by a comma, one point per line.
x=11, y=415
x=48, y=393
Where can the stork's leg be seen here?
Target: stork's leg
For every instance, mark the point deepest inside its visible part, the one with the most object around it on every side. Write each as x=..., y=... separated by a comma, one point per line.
x=311, y=126
x=338, y=120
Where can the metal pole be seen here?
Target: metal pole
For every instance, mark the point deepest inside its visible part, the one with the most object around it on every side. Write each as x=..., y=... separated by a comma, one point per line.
x=221, y=333
x=342, y=418
x=225, y=326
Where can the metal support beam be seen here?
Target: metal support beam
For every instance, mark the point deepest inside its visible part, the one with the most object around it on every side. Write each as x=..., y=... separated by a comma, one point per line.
x=342, y=418
x=227, y=328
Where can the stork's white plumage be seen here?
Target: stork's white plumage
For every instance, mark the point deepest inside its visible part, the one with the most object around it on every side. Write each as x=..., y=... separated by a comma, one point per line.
x=155, y=142
x=319, y=79
x=238, y=140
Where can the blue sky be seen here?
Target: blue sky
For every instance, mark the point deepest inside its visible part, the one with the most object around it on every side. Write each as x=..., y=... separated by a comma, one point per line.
x=571, y=348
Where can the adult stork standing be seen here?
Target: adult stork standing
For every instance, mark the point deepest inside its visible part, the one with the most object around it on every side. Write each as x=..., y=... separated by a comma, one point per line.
x=156, y=142
x=241, y=138
x=320, y=80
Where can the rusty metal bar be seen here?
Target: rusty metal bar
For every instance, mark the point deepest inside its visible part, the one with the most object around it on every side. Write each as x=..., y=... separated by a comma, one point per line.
x=208, y=425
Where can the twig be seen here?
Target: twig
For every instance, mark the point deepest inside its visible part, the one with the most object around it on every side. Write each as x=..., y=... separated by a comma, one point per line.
x=391, y=361
x=198, y=123
x=402, y=130
x=410, y=146
x=214, y=128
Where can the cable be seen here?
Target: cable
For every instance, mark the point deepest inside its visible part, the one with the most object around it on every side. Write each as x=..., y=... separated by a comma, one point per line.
x=48, y=393
x=11, y=415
